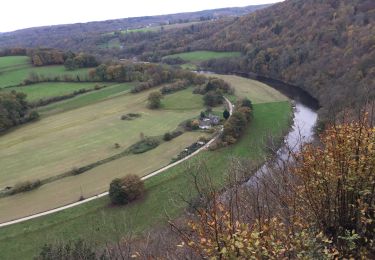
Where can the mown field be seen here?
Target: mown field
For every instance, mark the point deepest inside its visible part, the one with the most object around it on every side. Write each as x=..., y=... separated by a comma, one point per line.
x=39, y=91
x=56, y=144
x=259, y=91
x=194, y=58
x=85, y=99
x=198, y=56
x=97, y=222
x=15, y=69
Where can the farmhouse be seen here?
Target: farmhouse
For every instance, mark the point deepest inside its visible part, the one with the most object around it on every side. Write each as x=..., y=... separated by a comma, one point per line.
x=208, y=122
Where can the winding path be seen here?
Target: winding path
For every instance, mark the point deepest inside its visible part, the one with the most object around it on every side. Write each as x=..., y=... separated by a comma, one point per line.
x=230, y=106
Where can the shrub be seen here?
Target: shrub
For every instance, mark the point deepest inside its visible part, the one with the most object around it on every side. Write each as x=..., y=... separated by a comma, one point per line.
x=171, y=135
x=25, y=186
x=167, y=136
x=71, y=250
x=144, y=145
x=154, y=100
x=125, y=190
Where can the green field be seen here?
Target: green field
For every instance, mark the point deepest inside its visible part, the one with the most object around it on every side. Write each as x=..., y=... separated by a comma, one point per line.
x=81, y=136
x=10, y=63
x=259, y=91
x=39, y=91
x=85, y=99
x=182, y=100
x=97, y=222
x=15, y=69
x=199, y=56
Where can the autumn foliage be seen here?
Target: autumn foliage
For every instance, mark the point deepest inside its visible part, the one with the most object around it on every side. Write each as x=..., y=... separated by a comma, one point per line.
x=336, y=182
x=322, y=207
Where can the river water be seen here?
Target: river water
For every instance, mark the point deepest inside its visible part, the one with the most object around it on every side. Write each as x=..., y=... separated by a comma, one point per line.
x=304, y=120
x=302, y=130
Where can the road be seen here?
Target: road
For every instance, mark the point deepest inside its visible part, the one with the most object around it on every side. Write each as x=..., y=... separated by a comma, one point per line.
x=230, y=106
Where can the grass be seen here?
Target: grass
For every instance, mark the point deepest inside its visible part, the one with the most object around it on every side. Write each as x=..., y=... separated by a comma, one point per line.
x=85, y=99
x=199, y=56
x=15, y=69
x=92, y=182
x=97, y=222
x=183, y=100
x=13, y=62
x=51, y=89
x=257, y=91
x=81, y=136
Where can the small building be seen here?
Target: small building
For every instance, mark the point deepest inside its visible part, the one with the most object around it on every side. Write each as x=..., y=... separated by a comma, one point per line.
x=208, y=122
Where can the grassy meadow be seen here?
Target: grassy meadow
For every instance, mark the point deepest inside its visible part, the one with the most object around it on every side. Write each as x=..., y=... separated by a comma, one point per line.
x=182, y=100
x=199, y=56
x=97, y=222
x=39, y=91
x=81, y=136
x=194, y=58
x=15, y=69
x=85, y=99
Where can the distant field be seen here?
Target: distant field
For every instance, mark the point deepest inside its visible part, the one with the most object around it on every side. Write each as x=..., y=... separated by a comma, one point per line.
x=158, y=27
x=15, y=69
x=198, y=56
x=50, y=89
x=13, y=62
x=115, y=42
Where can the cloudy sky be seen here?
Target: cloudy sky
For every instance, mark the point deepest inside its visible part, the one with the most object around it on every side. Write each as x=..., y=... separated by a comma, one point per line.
x=17, y=14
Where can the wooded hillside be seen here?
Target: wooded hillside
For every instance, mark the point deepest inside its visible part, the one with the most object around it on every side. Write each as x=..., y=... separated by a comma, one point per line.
x=326, y=47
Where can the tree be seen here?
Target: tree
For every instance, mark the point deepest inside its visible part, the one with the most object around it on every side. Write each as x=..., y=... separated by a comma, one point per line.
x=336, y=183
x=125, y=190
x=154, y=100
x=226, y=114
x=246, y=103
x=213, y=98
x=70, y=64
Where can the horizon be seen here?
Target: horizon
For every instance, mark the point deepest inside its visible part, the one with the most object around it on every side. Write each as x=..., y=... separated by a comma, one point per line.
x=41, y=13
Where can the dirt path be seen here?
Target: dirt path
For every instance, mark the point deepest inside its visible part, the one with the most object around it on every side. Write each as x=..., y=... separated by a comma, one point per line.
x=230, y=106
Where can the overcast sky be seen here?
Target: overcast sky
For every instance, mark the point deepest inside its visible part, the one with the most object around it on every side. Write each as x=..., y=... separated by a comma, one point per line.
x=18, y=14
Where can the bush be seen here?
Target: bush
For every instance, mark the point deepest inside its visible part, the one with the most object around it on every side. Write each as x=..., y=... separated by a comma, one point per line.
x=72, y=250
x=171, y=135
x=130, y=116
x=154, y=100
x=167, y=136
x=25, y=186
x=125, y=190
x=144, y=145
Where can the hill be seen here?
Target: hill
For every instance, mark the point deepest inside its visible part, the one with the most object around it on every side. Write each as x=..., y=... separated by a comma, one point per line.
x=80, y=36
x=325, y=47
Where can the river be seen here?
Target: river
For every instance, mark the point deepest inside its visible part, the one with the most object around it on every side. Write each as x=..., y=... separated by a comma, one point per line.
x=304, y=119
